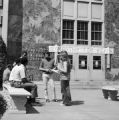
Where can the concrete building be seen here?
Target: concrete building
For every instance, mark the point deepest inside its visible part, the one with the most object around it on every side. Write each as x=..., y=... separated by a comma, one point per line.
x=87, y=29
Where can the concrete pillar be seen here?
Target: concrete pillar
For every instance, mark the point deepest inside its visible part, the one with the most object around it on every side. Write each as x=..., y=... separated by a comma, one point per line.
x=5, y=21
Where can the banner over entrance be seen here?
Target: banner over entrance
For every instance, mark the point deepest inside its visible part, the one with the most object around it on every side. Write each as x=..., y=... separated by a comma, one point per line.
x=77, y=49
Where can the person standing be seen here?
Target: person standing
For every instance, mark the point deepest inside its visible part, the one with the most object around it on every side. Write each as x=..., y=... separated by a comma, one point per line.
x=46, y=66
x=64, y=70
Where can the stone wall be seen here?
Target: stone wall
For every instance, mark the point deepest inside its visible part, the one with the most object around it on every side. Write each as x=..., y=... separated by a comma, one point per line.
x=41, y=28
x=33, y=25
x=112, y=36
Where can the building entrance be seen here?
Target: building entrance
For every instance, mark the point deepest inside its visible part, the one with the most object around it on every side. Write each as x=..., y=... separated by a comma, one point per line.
x=88, y=67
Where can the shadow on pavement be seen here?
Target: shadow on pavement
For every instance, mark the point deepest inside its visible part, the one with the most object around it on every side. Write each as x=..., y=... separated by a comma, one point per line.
x=77, y=102
x=31, y=110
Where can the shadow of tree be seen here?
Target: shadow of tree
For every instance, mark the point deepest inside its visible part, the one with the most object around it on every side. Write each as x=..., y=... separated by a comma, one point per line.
x=31, y=110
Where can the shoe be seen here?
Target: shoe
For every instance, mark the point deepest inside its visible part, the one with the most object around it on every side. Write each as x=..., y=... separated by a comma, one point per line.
x=36, y=104
x=47, y=100
x=54, y=100
x=67, y=104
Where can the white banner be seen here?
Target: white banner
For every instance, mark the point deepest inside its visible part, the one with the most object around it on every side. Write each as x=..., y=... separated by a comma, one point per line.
x=78, y=49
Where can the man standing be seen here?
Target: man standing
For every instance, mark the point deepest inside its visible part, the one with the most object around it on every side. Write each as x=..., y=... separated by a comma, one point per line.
x=46, y=66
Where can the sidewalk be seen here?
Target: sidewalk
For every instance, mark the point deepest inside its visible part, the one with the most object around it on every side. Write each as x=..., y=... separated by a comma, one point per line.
x=88, y=104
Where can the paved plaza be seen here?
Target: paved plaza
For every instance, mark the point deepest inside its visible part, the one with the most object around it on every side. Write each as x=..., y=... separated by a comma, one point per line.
x=87, y=104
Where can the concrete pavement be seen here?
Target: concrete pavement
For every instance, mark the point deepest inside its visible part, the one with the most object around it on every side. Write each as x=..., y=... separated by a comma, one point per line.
x=88, y=104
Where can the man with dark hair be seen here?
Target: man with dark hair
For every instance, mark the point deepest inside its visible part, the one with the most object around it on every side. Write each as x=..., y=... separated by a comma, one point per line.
x=6, y=73
x=46, y=65
x=19, y=80
x=17, y=62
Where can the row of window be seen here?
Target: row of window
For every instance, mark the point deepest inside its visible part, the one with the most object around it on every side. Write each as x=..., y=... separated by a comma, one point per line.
x=82, y=9
x=83, y=62
x=82, y=32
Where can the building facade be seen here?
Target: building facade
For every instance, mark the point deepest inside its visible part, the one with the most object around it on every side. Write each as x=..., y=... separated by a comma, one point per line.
x=1, y=15
x=87, y=29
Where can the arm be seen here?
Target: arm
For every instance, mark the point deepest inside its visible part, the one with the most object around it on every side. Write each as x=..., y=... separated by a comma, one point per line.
x=23, y=75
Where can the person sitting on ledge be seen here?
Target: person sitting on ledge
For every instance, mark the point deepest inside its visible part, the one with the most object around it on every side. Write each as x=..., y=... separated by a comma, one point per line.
x=18, y=79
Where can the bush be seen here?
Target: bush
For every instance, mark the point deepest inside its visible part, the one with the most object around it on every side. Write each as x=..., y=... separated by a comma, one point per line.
x=3, y=105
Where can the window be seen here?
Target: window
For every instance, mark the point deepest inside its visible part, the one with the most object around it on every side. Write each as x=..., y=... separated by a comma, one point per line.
x=97, y=11
x=97, y=62
x=71, y=60
x=83, y=9
x=68, y=32
x=82, y=33
x=82, y=62
x=68, y=8
x=96, y=33
x=83, y=22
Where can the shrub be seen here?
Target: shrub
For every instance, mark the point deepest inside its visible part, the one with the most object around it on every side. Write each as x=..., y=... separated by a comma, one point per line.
x=3, y=106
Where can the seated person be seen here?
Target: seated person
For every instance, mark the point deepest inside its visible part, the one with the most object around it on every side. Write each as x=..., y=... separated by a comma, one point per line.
x=18, y=79
x=6, y=73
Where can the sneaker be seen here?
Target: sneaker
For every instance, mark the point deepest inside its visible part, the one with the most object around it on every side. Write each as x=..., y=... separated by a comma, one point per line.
x=67, y=104
x=54, y=100
x=47, y=100
x=36, y=104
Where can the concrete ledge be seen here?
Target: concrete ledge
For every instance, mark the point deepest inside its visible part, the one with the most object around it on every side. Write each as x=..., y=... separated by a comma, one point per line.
x=18, y=96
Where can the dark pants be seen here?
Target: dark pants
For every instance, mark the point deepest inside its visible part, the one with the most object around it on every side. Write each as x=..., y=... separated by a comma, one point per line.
x=29, y=86
x=65, y=90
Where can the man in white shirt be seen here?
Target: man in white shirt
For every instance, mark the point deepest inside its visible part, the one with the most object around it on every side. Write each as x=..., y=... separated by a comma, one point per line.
x=18, y=78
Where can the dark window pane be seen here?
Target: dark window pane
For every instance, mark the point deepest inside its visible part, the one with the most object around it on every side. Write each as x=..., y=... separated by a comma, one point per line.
x=82, y=62
x=96, y=33
x=82, y=32
x=68, y=32
x=97, y=62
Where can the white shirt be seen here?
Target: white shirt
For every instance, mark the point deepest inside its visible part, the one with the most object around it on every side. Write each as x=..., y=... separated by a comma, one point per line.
x=17, y=73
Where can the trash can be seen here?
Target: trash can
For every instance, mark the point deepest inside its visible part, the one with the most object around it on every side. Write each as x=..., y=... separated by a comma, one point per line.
x=105, y=93
x=113, y=94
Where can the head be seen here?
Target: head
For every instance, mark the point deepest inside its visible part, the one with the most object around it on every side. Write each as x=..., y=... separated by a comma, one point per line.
x=17, y=62
x=24, y=61
x=64, y=55
x=24, y=54
x=9, y=66
x=47, y=54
